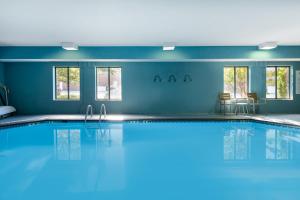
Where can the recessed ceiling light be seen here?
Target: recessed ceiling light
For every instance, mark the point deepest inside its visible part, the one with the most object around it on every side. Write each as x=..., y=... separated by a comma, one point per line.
x=70, y=46
x=169, y=47
x=268, y=45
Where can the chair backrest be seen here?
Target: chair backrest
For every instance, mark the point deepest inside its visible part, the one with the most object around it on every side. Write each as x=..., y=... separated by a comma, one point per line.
x=224, y=96
x=252, y=95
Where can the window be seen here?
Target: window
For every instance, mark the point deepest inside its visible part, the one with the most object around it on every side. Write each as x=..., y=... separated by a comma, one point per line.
x=278, y=82
x=236, y=81
x=67, y=83
x=108, y=83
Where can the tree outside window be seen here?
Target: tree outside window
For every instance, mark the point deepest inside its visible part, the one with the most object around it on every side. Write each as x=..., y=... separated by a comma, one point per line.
x=67, y=83
x=278, y=82
x=236, y=81
x=109, y=83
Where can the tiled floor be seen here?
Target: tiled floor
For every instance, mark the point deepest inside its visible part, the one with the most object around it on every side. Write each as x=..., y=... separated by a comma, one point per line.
x=288, y=119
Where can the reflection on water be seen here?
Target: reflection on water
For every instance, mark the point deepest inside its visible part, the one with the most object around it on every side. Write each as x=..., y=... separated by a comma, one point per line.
x=67, y=144
x=237, y=144
x=109, y=148
x=103, y=138
x=162, y=160
x=98, y=147
x=279, y=145
x=108, y=137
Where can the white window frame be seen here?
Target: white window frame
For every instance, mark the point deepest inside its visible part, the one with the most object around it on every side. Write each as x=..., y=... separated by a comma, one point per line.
x=248, y=78
x=96, y=78
x=54, y=83
x=291, y=89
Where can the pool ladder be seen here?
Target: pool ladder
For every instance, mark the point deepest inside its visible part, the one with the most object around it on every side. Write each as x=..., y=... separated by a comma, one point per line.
x=89, y=112
x=102, y=112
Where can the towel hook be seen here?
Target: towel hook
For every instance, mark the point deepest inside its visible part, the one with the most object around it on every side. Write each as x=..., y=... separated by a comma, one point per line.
x=187, y=78
x=172, y=78
x=157, y=78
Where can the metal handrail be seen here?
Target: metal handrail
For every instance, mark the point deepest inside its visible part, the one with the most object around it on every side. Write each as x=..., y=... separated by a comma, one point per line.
x=89, y=109
x=6, y=93
x=102, y=112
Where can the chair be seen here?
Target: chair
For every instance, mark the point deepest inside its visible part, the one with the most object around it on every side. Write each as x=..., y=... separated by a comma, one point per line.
x=225, y=99
x=241, y=105
x=255, y=101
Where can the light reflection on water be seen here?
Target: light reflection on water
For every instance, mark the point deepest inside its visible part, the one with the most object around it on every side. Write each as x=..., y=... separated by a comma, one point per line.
x=67, y=142
x=105, y=144
x=278, y=144
x=237, y=144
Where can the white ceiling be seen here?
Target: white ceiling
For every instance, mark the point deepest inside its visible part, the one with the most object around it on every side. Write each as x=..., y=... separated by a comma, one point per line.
x=152, y=22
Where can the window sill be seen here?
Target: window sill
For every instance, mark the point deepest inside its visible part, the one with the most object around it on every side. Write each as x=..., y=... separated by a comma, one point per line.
x=107, y=100
x=273, y=99
x=66, y=100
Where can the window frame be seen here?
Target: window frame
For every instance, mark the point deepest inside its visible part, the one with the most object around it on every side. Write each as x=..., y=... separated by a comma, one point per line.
x=108, y=78
x=68, y=82
x=234, y=78
x=290, y=82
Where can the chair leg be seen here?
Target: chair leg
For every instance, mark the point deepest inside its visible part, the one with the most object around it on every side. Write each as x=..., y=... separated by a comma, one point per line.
x=221, y=110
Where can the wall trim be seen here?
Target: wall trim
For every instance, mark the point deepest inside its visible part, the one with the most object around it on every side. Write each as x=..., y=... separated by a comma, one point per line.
x=155, y=60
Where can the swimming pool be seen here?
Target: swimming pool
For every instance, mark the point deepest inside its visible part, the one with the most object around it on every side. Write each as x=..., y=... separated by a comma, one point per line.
x=155, y=160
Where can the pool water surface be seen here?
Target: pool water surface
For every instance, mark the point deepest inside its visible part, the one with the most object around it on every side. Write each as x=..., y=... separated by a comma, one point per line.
x=155, y=160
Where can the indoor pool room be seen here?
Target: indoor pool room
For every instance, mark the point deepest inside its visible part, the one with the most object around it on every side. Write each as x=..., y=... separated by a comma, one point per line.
x=149, y=100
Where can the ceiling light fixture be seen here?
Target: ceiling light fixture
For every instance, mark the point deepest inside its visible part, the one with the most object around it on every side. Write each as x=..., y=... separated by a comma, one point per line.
x=268, y=45
x=70, y=46
x=169, y=47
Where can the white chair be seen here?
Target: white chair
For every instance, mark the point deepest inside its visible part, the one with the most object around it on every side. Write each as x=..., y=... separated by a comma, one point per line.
x=255, y=101
x=241, y=106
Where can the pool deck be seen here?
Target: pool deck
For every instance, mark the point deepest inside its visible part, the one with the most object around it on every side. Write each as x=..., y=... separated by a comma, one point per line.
x=286, y=119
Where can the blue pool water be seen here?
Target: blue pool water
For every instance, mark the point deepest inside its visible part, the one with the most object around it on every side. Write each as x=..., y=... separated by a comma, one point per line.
x=157, y=160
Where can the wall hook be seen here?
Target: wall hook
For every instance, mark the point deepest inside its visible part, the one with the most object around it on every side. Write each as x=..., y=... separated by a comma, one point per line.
x=187, y=78
x=172, y=78
x=157, y=78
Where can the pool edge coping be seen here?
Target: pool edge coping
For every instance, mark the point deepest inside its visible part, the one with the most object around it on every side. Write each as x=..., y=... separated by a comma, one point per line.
x=257, y=119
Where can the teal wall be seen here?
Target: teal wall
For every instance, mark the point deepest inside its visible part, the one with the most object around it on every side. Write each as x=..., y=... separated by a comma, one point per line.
x=2, y=79
x=31, y=83
x=31, y=86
